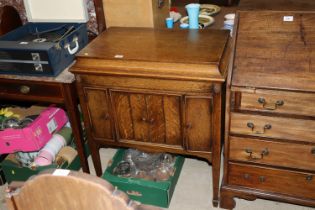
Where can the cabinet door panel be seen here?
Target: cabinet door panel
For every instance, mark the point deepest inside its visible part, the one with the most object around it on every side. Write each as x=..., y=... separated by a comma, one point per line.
x=156, y=119
x=122, y=109
x=198, y=123
x=173, y=134
x=139, y=117
x=97, y=103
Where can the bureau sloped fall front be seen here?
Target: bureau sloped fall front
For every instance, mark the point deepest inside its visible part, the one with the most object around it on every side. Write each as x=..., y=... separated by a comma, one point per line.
x=155, y=90
x=270, y=115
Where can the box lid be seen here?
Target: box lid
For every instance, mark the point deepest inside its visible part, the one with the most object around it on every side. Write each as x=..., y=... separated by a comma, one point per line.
x=275, y=50
x=65, y=11
x=193, y=54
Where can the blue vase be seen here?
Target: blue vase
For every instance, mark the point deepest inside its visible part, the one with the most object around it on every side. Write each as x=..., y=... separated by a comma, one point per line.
x=193, y=15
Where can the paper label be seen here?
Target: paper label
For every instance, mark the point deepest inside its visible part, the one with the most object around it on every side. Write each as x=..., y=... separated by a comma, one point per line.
x=52, y=125
x=119, y=56
x=288, y=18
x=61, y=172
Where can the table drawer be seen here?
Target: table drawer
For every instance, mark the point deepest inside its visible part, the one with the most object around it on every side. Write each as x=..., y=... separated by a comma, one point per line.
x=27, y=89
x=272, y=153
x=288, y=182
x=277, y=102
x=273, y=127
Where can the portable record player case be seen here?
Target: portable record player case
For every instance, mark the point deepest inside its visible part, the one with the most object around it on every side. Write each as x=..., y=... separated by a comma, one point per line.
x=47, y=44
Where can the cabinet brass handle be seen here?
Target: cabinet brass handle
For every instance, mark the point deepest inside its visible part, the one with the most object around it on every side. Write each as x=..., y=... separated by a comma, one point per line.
x=251, y=155
x=252, y=127
x=189, y=125
x=274, y=106
x=262, y=179
x=106, y=117
x=143, y=119
x=151, y=121
x=25, y=89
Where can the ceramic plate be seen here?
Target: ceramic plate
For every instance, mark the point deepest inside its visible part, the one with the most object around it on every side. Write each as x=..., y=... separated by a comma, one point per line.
x=209, y=9
x=204, y=20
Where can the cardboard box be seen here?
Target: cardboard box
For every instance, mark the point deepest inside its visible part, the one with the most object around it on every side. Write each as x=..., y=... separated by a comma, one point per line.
x=157, y=193
x=14, y=172
x=35, y=135
x=135, y=13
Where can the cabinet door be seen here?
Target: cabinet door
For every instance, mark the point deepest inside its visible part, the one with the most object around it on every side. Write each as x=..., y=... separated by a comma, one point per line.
x=198, y=123
x=153, y=118
x=99, y=113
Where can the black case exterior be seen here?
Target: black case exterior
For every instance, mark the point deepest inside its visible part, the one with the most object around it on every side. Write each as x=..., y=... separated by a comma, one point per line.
x=19, y=54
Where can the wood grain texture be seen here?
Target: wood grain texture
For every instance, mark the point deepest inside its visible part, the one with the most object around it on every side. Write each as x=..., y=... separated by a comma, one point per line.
x=156, y=118
x=170, y=84
x=173, y=121
x=154, y=53
x=281, y=128
x=273, y=180
x=98, y=108
x=277, y=5
x=139, y=117
x=199, y=126
x=123, y=114
x=281, y=154
x=289, y=63
x=296, y=103
x=90, y=192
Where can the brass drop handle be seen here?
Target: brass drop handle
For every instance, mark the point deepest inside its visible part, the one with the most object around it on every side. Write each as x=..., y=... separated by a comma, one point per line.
x=251, y=155
x=252, y=127
x=265, y=105
x=25, y=89
x=143, y=119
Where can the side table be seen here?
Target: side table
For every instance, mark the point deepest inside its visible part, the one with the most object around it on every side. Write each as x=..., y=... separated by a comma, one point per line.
x=59, y=90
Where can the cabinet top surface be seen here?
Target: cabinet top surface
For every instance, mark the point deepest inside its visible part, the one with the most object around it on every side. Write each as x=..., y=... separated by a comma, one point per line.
x=174, y=46
x=275, y=50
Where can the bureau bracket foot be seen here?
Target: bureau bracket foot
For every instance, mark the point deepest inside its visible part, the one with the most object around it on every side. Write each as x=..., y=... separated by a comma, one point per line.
x=227, y=196
x=215, y=203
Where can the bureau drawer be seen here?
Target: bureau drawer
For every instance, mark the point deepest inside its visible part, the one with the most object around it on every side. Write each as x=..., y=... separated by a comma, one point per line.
x=26, y=89
x=277, y=102
x=272, y=153
x=273, y=127
x=287, y=182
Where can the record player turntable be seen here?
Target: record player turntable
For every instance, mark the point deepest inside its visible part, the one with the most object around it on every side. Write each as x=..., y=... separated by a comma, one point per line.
x=48, y=43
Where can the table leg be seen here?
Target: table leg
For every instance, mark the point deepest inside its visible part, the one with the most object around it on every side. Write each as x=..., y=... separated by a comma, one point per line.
x=71, y=105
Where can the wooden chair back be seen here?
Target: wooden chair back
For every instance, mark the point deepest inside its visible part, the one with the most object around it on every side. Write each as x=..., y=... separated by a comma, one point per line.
x=77, y=191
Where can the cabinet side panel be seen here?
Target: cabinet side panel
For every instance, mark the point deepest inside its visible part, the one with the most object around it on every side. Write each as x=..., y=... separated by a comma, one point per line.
x=122, y=109
x=156, y=119
x=172, y=120
x=97, y=102
x=139, y=117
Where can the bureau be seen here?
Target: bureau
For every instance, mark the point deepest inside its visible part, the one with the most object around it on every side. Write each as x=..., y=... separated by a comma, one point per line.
x=270, y=115
x=155, y=90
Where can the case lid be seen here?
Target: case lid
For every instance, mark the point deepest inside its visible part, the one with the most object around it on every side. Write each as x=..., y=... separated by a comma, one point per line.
x=63, y=11
x=189, y=54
